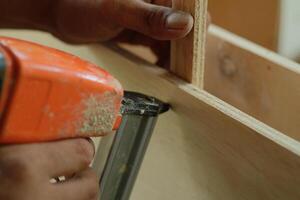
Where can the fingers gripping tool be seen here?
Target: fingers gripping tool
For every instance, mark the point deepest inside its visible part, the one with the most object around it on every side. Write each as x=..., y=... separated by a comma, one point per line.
x=47, y=95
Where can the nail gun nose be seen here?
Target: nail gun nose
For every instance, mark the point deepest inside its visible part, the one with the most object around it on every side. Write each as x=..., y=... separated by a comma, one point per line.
x=129, y=144
x=135, y=103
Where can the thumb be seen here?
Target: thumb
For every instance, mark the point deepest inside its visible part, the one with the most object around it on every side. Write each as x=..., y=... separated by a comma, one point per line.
x=158, y=22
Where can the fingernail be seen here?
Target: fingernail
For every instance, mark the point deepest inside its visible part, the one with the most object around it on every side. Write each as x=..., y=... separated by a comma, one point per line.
x=179, y=20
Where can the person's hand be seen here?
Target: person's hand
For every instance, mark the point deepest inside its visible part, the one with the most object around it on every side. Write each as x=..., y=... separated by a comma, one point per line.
x=149, y=23
x=152, y=23
x=145, y=22
x=82, y=21
x=26, y=171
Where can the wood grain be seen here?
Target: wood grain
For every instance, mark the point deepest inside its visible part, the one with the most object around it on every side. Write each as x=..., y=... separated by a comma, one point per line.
x=204, y=148
x=187, y=54
x=255, y=80
x=255, y=20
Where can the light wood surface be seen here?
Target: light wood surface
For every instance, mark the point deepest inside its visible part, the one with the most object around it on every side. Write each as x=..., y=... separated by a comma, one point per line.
x=252, y=79
x=204, y=149
x=255, y=80
x=187, y=54
x=256, y=20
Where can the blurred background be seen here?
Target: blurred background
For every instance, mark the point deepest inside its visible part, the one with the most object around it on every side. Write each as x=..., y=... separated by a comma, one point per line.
x=274, y=24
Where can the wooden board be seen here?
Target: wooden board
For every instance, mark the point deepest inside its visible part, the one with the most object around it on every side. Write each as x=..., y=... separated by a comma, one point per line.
x=255, y=20
x=255, y=80
x=187, y=54
x=204, y=148
x=252, y=79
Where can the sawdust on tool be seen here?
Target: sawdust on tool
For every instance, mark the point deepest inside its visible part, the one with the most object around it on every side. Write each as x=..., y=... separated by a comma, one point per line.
x=99, y=114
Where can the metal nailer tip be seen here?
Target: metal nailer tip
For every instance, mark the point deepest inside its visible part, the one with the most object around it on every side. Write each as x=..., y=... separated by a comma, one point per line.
x=140, y=104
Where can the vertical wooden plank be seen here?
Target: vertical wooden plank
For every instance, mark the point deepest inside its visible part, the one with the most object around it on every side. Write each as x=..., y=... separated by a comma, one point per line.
x=187, y=54
x=289, y=29
x=254, y=80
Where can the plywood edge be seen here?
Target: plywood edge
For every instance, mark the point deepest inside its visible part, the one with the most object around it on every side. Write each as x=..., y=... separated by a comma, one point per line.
x=201, y=142
x=253, y=48
x=199, y=44
x=234, y=156
x=187, y=54
x=247, y=120
x=253, y=79
x=213, y=154
x=257, y=126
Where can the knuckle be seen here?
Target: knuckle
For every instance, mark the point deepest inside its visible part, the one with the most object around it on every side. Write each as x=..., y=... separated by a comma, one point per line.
x=156, y=19
x=85, y=151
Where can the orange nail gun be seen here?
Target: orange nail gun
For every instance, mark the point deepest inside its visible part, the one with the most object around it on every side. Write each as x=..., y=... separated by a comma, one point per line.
x=47, y=95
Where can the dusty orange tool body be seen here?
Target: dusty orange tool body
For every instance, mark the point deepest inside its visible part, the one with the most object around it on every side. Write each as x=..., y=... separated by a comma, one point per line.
x=47, y=95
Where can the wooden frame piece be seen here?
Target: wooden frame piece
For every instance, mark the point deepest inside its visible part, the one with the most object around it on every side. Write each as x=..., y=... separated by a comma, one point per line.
x=254, y=80
x=187, y=54
x=206, y=148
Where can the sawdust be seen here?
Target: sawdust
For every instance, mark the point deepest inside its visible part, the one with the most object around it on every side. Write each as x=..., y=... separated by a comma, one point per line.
x=99, y=114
